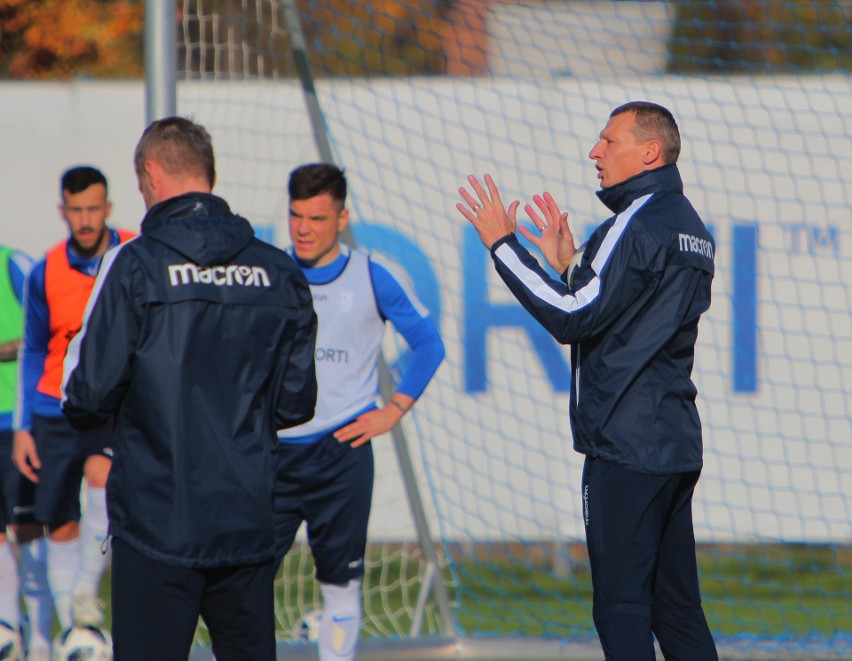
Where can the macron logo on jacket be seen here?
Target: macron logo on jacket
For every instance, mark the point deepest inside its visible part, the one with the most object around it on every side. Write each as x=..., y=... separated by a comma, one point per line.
x=691, y=243
x=220, y=276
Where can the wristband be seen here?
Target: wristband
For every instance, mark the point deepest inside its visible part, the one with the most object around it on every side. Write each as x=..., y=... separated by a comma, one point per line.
x=401, y=408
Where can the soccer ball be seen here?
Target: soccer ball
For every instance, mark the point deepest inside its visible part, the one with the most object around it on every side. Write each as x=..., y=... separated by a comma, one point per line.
x=307, y=628
x=10, y=642
x=83, y=644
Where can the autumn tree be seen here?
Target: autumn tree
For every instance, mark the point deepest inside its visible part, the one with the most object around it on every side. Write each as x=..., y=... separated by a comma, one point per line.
x=380, y=37
x=761, y=36
x=62, y=39
x=345, y=37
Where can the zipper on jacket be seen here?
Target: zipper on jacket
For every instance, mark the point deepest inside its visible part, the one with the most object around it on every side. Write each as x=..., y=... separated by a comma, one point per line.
x=577, y=377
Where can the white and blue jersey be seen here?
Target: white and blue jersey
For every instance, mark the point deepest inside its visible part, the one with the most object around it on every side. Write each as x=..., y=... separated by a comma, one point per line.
x=353, y=297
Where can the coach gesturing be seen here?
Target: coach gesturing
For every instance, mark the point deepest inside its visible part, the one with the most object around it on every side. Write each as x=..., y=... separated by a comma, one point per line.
x=629, y=307
x=200, y=339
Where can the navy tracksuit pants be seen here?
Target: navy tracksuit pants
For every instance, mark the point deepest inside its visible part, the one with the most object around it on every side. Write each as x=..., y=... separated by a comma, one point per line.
x=644, y=573
x=155, y=608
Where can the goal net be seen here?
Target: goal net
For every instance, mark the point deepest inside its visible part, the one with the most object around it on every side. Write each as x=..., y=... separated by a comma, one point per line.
x=417, y=94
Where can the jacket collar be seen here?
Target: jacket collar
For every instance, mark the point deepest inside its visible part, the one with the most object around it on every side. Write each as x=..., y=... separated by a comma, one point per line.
x=187, y=205
x=200, y=226
x=664, y=179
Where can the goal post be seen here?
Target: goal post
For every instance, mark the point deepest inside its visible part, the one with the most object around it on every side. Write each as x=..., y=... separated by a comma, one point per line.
x=160, y=55
x=411, y=96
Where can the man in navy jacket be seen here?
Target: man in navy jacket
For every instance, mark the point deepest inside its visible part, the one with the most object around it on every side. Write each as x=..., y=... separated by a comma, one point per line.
x=628, y=304
x=199, y=339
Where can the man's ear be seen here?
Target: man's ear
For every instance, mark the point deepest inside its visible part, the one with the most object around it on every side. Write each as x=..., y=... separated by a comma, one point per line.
x=342, y=220
x=154, y=172
x=653, y=152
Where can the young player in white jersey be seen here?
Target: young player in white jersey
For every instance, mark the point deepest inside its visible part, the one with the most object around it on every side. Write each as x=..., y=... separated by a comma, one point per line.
x=325, y=467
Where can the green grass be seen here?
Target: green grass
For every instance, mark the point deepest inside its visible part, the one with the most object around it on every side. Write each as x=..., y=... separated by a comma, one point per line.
x=788, y=590
x=795, y=590
x=760, y=590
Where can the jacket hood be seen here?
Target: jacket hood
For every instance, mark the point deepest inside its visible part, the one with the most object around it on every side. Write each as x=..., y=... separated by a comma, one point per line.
x=199, y=226
x=664, y=179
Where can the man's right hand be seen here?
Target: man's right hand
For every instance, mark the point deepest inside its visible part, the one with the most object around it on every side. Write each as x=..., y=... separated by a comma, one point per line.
x=24, y=455
x=488, y=216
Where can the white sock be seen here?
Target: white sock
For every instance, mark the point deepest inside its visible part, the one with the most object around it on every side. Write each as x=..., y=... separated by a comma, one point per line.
x=63, y=558
x=8, y=586
x=341, y=621
x=93, y=532
x=36, y=589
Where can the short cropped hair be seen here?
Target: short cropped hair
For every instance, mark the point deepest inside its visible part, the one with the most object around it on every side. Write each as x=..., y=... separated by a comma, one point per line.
x=314, y=179
x=77, y=179
x=654, y=122
x=180, y=145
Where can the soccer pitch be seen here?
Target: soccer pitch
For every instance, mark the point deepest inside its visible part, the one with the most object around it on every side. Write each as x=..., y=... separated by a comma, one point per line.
x=749, y=592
